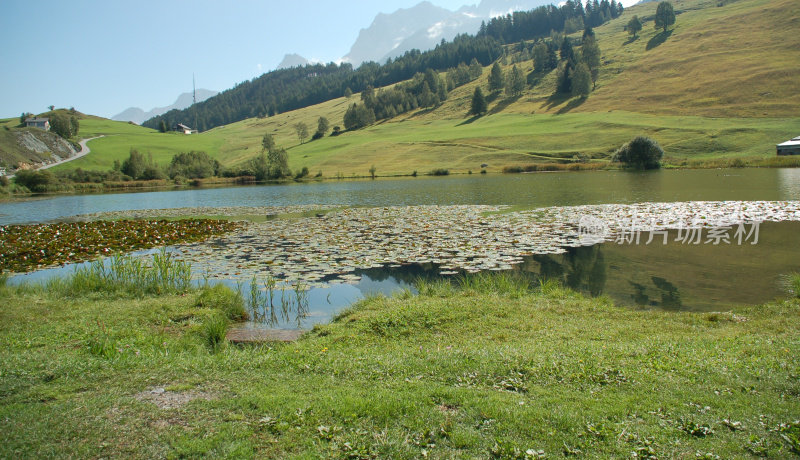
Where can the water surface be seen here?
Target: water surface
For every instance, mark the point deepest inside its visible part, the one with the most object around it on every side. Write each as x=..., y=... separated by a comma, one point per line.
x=529, y=190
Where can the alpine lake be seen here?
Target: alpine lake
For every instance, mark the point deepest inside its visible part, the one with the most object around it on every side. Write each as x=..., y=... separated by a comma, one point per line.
x=671, y=239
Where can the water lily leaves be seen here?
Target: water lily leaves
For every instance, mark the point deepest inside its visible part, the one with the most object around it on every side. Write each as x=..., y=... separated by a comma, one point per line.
x=28, y=247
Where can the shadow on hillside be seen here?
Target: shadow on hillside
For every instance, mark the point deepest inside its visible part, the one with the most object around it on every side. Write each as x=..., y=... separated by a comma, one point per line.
x=492, y=96
x=556, y=99
x=503, y=104
x=630, y=40
x=469, y=120
x=572, y=104
x=560, y=98
x=424, y=111
x=658, y=39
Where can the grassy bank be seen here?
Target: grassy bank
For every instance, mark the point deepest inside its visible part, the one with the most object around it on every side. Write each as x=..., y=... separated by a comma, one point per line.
x=490, y=369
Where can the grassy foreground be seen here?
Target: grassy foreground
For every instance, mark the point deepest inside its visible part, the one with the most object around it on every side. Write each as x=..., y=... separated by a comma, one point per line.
x=491, y=369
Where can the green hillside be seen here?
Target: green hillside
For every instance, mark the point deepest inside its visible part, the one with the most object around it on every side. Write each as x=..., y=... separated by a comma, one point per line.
x=721, y=85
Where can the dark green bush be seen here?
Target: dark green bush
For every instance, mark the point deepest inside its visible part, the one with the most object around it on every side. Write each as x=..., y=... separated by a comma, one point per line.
x=640, y=153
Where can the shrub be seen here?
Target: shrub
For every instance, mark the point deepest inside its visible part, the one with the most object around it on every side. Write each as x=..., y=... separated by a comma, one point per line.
x=4, y=181
x=640, y=153
x=439, y=172
x=303, y=173
x=36, y=181
x=194, y=165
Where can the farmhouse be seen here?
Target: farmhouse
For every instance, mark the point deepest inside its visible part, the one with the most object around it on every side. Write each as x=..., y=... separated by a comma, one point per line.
x=185, y=129
x=791, y=147
x=41, y=123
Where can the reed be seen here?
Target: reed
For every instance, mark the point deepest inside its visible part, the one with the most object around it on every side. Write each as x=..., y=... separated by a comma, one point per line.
x=127, y=275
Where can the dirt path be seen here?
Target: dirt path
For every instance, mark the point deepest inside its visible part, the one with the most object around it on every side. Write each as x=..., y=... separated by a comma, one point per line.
x=84, y=150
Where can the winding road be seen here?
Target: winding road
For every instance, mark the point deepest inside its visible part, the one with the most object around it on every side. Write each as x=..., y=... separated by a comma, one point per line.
x=84, y=150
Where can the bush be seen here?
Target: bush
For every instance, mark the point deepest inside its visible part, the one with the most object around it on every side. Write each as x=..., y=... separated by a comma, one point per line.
x=439, y=172
x=640, y=153
x=303, y=173
x=36, y=181
x=193, y=165
x=3, y=181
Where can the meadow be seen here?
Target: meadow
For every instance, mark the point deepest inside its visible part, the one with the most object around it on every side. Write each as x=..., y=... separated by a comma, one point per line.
x=486, y=367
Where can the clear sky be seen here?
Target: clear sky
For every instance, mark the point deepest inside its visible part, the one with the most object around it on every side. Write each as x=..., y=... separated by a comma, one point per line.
x=103, y=56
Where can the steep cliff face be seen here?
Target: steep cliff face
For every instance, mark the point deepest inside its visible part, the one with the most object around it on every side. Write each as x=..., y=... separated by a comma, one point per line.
x=31, y=147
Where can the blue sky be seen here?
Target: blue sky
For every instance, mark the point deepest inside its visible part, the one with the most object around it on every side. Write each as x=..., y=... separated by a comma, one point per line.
x=105, y=56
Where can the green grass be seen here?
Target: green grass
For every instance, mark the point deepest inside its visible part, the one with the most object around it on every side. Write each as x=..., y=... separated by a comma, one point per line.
x=475, y=371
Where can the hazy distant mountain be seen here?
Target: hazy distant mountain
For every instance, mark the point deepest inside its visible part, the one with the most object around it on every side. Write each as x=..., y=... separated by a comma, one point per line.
x=292, y=60
x=138, y=116
x=424, y=25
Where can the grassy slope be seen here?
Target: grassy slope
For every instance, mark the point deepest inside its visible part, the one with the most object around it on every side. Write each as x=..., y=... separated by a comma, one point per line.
x=467, y=374
x=697, y=93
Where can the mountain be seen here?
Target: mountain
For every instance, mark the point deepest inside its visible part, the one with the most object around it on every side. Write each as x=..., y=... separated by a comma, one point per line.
x=423, y=26
x=138, y=116
x=292, y=60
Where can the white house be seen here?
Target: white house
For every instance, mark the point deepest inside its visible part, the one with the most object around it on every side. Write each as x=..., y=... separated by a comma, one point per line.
x=791, y=147
x=185, y=129
x=41, y=123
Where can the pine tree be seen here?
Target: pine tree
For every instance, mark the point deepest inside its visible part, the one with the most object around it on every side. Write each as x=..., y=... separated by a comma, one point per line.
x=581, y=80
x=665, y=16
x=634, y=26
x=496, y=78
x=590, y=52
x=478, y=106
x=515, y=83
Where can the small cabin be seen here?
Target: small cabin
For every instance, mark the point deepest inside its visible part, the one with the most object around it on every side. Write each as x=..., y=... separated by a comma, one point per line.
x=790, y=147
x=41, y=123
x=180, y=127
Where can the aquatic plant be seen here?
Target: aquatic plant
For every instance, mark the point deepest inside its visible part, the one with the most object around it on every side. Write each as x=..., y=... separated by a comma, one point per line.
x=126, y=274
x=27, y=247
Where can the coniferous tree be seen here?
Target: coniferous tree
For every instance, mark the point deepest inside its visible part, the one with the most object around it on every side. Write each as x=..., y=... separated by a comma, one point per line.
x=665, y=16
x=496, y=78
x=475, y=69
x=581, y=80
x=515, y=83
x=541, y=60
x=478, y=105
x=590, y=53
x=634, y=26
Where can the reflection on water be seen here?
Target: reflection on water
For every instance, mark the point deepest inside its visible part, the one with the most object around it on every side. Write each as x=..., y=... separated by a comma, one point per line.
x=530, y=190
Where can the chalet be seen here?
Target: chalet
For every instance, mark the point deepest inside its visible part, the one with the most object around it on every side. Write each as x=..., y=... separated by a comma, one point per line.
x=791, y=147
x=184, y=129
x=41, y=123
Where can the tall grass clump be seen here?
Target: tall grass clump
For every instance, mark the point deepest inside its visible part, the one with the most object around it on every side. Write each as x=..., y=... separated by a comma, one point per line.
x=503, y=283
x=435, y=288
x=213, y=330
x=224, y=299
x=125, y=274
x=794, y=284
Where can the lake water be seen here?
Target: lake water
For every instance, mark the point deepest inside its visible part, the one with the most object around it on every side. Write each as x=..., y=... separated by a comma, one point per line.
x=532, y=190
x=672, y=276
